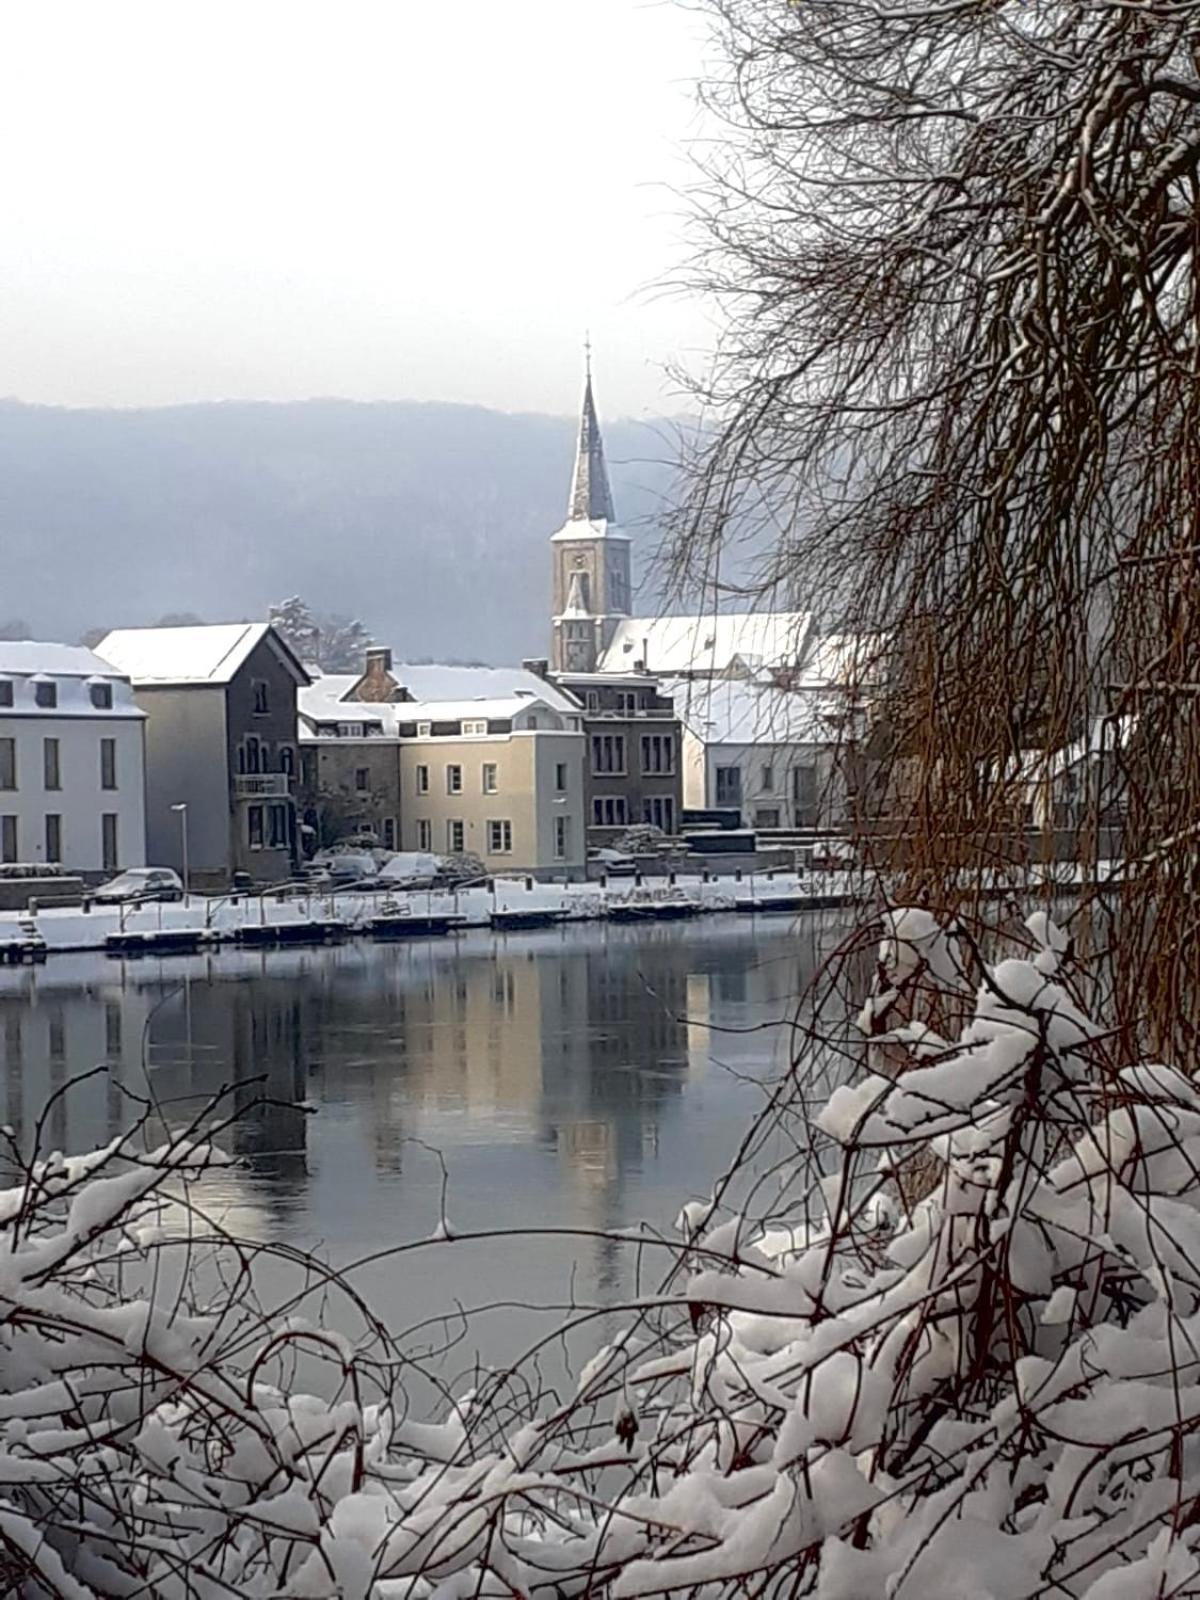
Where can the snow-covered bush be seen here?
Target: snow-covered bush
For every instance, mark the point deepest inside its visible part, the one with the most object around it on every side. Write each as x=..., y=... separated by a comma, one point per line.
x=853, y=1385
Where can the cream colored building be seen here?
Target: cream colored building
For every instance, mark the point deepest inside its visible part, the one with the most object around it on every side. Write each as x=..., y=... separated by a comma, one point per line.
x=481, y=759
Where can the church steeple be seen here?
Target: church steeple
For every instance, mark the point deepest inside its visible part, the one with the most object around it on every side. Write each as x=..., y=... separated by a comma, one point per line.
x=591, y=555
x=591, y=494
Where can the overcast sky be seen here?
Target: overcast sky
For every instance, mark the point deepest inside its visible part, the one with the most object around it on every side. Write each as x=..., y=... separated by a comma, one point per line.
x=380, y=199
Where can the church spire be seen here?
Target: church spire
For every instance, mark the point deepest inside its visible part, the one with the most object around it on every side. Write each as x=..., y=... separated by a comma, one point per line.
x=591, y=496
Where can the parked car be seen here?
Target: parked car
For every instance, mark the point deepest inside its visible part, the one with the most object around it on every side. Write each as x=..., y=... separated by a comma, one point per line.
x=616, y=863
x=140, y=883
x=827, y=855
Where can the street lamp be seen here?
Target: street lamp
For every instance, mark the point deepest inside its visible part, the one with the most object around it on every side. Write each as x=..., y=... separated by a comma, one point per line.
x=182, y=810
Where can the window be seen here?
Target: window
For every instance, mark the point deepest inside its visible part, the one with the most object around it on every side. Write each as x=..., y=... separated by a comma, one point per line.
x=593, y=700
x=254, y=826
x=108, y=763
x=560, y=777
x=277, y=817
x=287, y=760
x=475, y=728
x=350, y=730
x=766, y=817
x=729, y=786
x=362, y=778
x=389, y=833
x=453, y=779
x=252, y=754
x=8, y=838
x=422, y=780
x=609, y=811
x=499, y=838
x=804, y=793
x=109, y=855
x=456, y=837
x=424, y=729
x=658, y=753
x=51, y=768
x=102, y=696
x=8, y=763
x=261, y=702
x=608, y=752
x=490, y=783
x=45, y=694
x=766, y=780
x=562, y=837
x=424, y=834
x=659, y=811
x=6, y=692
x=626, y=702
x=53, y=837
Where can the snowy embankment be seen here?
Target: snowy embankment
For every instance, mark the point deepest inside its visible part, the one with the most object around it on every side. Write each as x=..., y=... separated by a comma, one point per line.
x=221, y=919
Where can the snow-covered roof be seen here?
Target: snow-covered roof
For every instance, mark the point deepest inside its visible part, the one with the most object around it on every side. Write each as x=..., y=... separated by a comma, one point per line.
x=72, y=671
x=481, y=683
x=840, y=660
x=212, y=654
x=739, y=711
x=677, y=646
x=440, y=694
x=27, y=657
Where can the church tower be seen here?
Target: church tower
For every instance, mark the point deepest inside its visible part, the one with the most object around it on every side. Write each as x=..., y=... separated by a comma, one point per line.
x=591, y=556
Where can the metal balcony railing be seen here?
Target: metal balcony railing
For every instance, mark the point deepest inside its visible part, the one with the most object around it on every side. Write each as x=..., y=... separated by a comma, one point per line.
x=262, y=785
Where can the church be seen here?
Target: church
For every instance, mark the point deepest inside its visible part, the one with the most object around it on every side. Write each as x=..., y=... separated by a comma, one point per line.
x=735, y=710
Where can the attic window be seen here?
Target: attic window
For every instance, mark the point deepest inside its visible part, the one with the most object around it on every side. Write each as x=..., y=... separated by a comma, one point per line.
x=45, y=692
x=424, y=729
x=101, y=694
x=6, y=692
x=475, y=727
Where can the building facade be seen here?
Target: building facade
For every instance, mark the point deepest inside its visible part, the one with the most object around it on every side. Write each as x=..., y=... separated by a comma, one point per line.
x=451, y=759
x=773, y=755
x=72, y=767
x=633, y=770
x=220, y=706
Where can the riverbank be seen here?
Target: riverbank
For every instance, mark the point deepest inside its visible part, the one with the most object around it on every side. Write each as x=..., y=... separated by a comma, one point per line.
x=199, y=921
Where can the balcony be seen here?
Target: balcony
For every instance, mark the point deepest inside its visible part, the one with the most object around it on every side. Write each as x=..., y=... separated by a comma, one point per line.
x=262, y=785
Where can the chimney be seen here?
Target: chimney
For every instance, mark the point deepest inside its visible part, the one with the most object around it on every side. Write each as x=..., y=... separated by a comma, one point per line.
x=377, y=684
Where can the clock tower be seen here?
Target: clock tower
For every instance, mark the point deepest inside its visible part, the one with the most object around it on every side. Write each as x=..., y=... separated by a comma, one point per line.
x=590, y=556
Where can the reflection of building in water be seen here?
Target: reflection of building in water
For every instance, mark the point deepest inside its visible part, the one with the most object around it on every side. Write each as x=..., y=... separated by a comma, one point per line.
x=83, y=1062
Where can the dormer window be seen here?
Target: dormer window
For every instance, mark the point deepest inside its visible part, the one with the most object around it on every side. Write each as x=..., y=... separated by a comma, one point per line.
x=424, y=729
x=474, y=728
x=45, y=693
x=101, y=694
x=6, y=692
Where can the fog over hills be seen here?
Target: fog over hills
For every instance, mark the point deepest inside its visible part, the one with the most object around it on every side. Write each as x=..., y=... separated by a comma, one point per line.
x=431, y=522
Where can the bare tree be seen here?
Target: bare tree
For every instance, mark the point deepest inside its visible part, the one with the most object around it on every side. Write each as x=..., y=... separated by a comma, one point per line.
x=955, y=407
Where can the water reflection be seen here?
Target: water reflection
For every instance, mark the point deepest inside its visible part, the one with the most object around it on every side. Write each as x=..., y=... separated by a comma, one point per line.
x=571, y=1076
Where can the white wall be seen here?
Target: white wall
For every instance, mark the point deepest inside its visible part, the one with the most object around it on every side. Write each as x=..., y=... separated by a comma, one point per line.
x=80, y=801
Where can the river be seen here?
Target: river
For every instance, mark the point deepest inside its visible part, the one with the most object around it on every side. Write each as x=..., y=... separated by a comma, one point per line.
x=586, y=1078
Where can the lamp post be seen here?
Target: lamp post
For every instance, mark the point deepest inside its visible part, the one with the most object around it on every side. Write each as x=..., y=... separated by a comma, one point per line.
x=182, y=810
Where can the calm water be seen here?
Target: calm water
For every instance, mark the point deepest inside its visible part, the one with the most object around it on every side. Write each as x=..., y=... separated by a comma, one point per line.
x=586, y=1077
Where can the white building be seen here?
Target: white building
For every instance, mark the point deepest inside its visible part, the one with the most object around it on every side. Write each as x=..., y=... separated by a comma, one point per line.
x=72, y=770
x=772, y=754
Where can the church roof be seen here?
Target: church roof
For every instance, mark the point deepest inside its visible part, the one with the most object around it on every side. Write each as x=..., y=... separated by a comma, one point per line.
x=710, y=646
x=591, y=493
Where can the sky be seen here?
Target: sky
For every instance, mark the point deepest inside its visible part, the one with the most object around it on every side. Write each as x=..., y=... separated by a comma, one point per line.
x=376, y=199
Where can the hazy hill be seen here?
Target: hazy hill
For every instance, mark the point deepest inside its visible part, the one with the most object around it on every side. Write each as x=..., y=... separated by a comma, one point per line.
x=429, y=521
